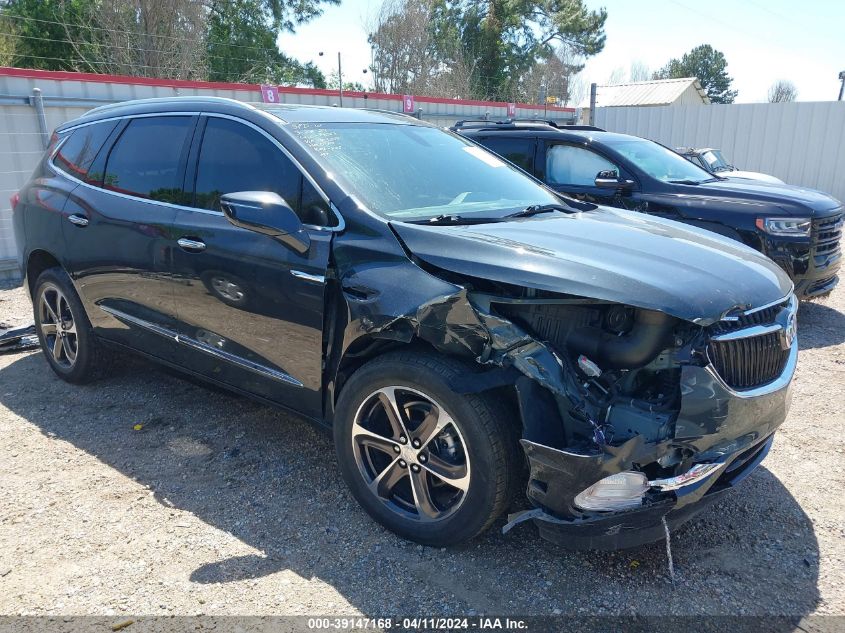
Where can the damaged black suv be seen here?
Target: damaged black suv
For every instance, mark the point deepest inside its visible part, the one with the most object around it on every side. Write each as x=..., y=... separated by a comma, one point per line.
x=447, y=316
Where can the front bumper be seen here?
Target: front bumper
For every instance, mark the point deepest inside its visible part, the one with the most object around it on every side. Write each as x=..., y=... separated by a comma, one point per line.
x=812, y=263
x=715, y=425
x=632, y=528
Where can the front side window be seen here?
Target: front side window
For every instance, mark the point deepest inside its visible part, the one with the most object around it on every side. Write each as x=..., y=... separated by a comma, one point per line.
x=234, y=158
x=145, y=161
x=575, y=166
x=414, y=172
x=77, y=153
x=658, y=162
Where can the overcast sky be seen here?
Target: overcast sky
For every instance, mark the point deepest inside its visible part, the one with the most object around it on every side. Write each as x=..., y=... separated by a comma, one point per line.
x=763, y=40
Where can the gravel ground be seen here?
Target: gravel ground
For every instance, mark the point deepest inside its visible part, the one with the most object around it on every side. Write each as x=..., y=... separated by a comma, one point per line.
x=218, y=505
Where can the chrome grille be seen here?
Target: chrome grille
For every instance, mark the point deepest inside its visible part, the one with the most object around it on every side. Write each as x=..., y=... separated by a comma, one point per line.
x=752, y=349
x=826, y=235
x=760, y=316
x=746, y=363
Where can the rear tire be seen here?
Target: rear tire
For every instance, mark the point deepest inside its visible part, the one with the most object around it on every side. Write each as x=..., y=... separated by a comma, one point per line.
x=437, y=467
x=63, y=329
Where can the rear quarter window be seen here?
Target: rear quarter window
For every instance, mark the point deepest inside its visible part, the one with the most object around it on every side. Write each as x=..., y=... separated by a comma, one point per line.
x=78, y=152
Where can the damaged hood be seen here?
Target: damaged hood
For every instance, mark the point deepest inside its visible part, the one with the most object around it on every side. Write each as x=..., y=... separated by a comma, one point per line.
x=608, y=254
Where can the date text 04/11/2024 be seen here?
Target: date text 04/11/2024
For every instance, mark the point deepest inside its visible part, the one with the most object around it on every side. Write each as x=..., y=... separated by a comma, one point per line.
x=419, y=623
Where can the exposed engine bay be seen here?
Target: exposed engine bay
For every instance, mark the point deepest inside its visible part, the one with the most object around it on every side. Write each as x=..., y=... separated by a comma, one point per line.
x=627, y=363
x=670, y=408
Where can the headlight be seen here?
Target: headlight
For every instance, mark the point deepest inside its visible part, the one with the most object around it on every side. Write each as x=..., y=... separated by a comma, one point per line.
x=796, y=227
x=617, y=492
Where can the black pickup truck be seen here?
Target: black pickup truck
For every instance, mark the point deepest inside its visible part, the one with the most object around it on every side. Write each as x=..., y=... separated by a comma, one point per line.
x=798, y=228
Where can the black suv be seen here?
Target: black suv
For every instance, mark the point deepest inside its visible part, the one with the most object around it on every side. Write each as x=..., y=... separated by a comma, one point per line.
x=443, y=313
x=798, y=228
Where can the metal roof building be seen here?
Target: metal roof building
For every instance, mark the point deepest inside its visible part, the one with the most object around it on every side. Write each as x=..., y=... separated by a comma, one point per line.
x=659, y=92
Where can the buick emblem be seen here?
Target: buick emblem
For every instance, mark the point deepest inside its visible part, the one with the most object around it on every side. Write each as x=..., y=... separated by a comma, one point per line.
x=788, y=333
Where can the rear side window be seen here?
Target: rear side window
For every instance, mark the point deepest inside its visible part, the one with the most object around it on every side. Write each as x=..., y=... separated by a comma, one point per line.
x=146, y=159
x=234, y=157
x=577, y=166
x=519, y=151
x=77, y=153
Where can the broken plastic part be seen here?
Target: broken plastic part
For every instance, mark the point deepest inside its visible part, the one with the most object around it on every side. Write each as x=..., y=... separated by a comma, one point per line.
x=18, y=339
x=692, y=476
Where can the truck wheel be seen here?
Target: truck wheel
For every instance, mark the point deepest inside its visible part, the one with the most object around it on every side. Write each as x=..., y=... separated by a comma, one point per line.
x=63, y=329
x=433, y=466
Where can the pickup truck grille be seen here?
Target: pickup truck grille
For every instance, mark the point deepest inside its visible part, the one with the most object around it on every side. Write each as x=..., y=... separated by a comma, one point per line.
x=752, y=349
x=826, y=235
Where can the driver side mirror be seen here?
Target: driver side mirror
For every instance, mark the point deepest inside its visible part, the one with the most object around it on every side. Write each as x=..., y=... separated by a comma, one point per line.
x=610, y=180
x=267, y=213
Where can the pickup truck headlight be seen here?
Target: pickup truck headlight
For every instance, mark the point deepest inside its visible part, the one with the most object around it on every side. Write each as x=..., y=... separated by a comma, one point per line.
x=794, y=227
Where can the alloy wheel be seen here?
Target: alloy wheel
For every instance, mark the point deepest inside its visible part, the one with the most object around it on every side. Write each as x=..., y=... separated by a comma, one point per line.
x=227, y=289
x=411, y=454
x=58, y=326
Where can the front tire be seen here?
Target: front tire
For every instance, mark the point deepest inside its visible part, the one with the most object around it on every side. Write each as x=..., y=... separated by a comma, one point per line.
x=63, y=329
x=434, y=466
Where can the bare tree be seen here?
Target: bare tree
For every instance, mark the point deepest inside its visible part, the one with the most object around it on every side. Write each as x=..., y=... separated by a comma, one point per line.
x=782, y=91
x=577, y=90
x=617, y=76
x=148, y=38
x=639, y=72
x=402, y=47
x=556, y=76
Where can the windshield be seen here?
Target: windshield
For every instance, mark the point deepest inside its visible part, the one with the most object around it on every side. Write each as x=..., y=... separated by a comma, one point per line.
x=715, y=161
x=659, y=162
x=411, y=172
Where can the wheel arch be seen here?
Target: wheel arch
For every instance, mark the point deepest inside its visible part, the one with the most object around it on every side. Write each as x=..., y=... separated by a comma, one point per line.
x=478, y=379
x=37, y=262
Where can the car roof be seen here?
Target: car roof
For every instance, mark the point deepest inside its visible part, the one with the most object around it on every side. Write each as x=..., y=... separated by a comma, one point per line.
x=283, y=113
x=571, y=133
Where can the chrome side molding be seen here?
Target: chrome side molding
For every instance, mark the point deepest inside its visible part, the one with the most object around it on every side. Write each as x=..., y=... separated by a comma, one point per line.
x=239, y=361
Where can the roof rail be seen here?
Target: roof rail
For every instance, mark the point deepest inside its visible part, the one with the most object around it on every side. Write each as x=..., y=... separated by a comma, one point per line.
x=131, y=102
x=493, y=123
x=481, y=124
x=591, y=128
x=551, y=122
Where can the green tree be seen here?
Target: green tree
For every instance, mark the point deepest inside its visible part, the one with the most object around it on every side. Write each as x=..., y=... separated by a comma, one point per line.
x=241, y=42
x=707, y=65
x=41, y=39
x=7, y=42
x=352, y=86
x=503, y=39
x=222, y=40
x=486, y=47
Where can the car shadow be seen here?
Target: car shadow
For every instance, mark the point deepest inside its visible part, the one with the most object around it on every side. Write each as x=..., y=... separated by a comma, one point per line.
x=270, y=480
x=819, y=325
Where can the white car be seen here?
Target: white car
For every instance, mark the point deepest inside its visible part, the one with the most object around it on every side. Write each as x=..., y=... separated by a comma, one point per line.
x=713, y=161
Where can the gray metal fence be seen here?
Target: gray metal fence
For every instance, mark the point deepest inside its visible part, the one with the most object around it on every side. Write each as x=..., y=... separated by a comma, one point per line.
x=35, y=103
x=800, y=143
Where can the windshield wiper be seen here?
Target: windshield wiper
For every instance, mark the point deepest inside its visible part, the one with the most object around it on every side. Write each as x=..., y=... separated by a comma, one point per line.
x=536, y=209
x=686, y=181
x=451, y=218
